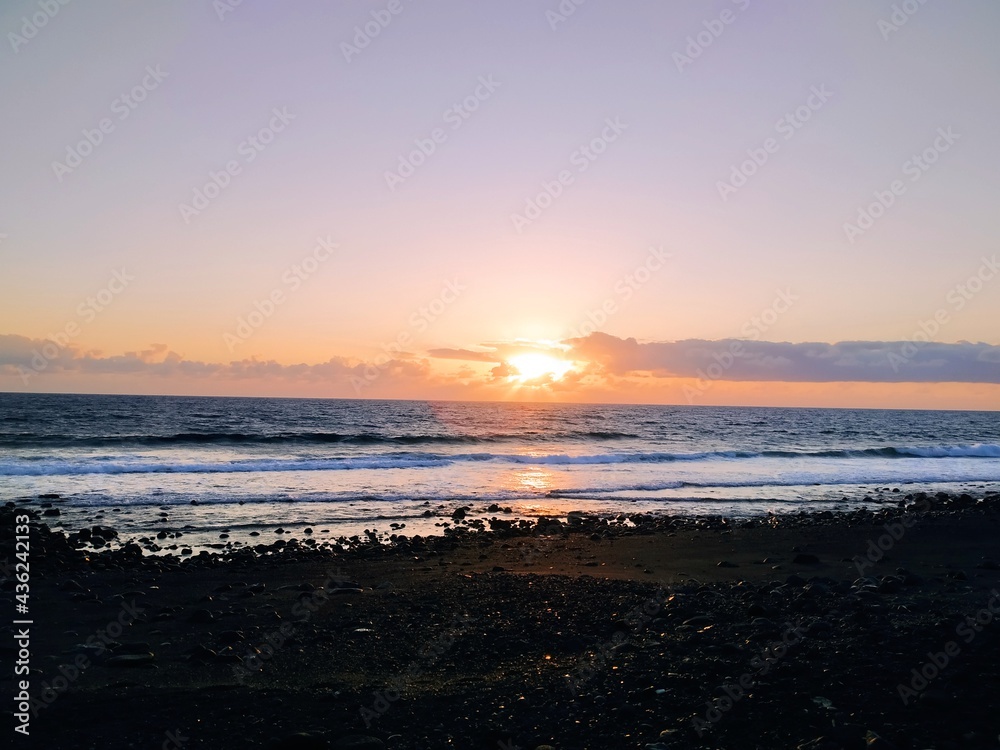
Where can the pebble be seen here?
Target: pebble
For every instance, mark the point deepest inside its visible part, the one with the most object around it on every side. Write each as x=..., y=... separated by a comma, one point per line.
x=358, y=742
x=131, y=660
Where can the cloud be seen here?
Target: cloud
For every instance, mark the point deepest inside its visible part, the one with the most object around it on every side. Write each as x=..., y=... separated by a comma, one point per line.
x=467, y=355
x=21, y=355
x=767, y=361
x=498, y=352
x=603, y=361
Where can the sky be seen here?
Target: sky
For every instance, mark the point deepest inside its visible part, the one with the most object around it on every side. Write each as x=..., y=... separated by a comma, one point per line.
x=728, y=202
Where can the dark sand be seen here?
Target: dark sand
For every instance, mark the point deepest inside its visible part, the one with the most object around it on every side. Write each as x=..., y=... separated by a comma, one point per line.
x=579, y=635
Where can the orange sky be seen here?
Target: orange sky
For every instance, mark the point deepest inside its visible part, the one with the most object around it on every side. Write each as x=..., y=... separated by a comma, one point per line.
x=528, y=371
x=237, y=205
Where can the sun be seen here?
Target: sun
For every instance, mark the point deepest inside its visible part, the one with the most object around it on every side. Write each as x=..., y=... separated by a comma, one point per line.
x=533, y=366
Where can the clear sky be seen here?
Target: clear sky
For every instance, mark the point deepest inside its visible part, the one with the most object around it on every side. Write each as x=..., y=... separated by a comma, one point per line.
x=688, y=202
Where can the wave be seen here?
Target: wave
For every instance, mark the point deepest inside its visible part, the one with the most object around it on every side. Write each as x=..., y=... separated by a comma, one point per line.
x=44, y=466
x=124, y=465
x=52, y=468
x=32, y=440
x=978, y=450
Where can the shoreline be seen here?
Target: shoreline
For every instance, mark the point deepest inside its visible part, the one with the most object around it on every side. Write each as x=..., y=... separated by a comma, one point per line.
x=194, y=527
x=572, y=634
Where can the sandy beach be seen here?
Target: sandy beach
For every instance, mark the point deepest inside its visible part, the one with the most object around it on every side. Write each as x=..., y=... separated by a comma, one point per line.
x=869, y=629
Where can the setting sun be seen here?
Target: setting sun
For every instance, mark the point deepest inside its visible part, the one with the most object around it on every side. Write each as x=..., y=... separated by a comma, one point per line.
x=534, y=366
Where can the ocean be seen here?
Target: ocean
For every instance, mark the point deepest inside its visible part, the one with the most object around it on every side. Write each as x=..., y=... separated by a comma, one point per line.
x=239, y=465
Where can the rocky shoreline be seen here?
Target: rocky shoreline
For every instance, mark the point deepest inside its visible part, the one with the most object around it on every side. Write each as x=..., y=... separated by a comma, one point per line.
x=819, y=631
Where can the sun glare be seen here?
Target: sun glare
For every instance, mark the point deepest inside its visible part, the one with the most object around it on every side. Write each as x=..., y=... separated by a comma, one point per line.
x=533, y=366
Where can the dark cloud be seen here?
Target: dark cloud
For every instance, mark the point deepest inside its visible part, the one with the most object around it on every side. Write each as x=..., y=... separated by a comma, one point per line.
x=847, y=361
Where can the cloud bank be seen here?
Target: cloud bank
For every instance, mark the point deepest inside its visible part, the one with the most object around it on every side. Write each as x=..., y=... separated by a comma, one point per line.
x=600, y=356
x=767, y=361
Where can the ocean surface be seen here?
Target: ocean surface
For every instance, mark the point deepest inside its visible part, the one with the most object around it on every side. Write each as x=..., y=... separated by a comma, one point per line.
x=343, y=466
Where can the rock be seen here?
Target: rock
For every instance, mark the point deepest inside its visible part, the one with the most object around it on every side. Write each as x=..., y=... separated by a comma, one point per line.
x=874, y=742
x=890, y=585
x=301, y=741
x=131, y=660
x=344, y=585
x=231, y=637
x=699, y=621
x=820, y=743
x=202, y=654
x=201, y=616
x=358, y=742
x=804, y=558
x=133, y=648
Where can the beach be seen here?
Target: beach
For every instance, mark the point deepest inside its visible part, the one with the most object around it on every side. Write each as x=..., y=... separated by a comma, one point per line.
x=389, y=375
x=867, y=628
x=220, y=474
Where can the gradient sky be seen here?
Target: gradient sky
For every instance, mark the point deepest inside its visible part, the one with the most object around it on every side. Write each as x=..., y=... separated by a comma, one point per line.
x=770, y=261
